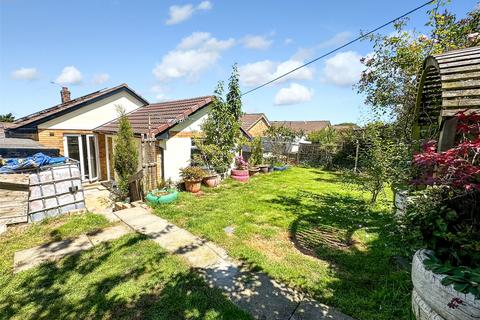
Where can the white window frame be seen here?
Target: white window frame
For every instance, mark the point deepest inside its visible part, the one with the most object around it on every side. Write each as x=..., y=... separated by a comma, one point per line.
x=80, y=151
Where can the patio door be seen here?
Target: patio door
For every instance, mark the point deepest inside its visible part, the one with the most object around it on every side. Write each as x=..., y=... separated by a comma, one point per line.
x=83, y=148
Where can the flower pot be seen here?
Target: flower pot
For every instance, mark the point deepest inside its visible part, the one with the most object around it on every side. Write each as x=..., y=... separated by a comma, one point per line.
x=264, y=168
x=239, y=172
x=193, y=186
x=170, y=196
x=212, y=181
x=253, y=171
x=241, y=178
x=430, y=298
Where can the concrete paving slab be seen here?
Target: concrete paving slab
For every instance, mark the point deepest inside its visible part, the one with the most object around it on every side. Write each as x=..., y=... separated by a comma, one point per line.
x=254, y=292
x=108, y=234
x=32, y=257
x=310, y=309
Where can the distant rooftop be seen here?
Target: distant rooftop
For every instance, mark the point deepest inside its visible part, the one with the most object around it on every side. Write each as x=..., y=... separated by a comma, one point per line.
x=305, y=126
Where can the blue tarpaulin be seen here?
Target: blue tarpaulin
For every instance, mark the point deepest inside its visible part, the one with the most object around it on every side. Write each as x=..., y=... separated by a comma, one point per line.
x=35, y=161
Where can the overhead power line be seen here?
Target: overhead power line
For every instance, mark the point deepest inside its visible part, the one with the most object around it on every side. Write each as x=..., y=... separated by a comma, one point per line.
x=340, y=47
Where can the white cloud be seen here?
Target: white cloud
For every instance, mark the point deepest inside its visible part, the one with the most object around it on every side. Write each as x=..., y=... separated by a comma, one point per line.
x=343, y=69
x=337, y=40
x=256, y=73
x=293, y=94
x=204, y=5
x=25, y=74
x=179, y=14
x=195, y=54
x=100, y=78
x=288, y=41
x=257, y=42
x=69, y=75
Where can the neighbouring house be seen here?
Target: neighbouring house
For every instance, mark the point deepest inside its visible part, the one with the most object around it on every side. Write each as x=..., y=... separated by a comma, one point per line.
x=68, y=127
x=305, y=126
x=254, y=124
x=345, y=126
x=172, y=124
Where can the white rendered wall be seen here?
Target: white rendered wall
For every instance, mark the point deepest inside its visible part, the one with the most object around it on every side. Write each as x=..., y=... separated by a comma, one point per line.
x=95, y=114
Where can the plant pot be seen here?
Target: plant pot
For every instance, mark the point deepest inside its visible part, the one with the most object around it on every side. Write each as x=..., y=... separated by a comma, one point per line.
x=212, y=181
x=239, y=172
x=264, y=168
x=193, y=186
x=280, y=168
x=253, y=171
x=171, y=196
x=241, y=178
x=430, y=298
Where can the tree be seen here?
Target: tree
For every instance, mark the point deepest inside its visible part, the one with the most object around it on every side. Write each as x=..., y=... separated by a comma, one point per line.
x=222, y=127
x=8, y=117
x=125, y=153
x=389, y=81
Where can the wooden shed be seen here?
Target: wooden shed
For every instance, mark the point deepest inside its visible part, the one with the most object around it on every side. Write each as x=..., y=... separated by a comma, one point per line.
x=449, y=83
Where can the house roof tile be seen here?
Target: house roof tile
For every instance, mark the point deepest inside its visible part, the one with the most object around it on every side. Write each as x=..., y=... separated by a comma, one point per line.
x=305, y=126
x=162, y=116
x=37, y=116
x=249, y=119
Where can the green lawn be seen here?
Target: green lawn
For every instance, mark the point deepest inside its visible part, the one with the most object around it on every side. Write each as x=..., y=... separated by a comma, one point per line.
x=130, y=278
x=310, y=230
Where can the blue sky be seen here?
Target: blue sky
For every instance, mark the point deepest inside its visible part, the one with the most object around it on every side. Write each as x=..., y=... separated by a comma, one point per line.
x=180, y=49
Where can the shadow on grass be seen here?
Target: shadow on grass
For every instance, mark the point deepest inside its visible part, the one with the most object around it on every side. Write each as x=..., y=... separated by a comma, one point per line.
x=100, y=283
x=360, y=243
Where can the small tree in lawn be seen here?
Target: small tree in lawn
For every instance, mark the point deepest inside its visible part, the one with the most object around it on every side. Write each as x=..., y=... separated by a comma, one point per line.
x=222, y=127
x=125, y=153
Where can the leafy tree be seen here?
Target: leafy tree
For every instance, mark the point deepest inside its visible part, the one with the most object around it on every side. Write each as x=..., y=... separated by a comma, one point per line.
x=389, y=81
x=380, y=158
x=125, y=156
x=257, y=152
x=222, y=127
x=7, y=117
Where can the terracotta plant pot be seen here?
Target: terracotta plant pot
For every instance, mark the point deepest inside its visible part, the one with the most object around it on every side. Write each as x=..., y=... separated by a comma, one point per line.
x=239, y=172
x=212, y=181
x=241, y=178
x=253, y=171
x=193, y=186
x=263, y=168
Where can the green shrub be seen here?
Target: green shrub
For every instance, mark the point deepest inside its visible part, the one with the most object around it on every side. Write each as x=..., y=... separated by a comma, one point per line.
x=192, y=173
x=125, y=155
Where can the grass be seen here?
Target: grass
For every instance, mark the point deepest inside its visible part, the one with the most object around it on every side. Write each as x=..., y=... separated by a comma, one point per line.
x=310, y=230
x=129, y=278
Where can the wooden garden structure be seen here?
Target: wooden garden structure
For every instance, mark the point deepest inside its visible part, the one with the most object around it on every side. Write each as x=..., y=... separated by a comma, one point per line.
x=449, y=83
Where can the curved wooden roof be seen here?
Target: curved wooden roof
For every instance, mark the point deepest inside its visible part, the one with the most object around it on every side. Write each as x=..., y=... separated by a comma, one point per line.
x=450, y=82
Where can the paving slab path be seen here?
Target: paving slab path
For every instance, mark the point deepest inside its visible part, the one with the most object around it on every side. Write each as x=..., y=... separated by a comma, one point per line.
x=254, y=292
x=29, y=258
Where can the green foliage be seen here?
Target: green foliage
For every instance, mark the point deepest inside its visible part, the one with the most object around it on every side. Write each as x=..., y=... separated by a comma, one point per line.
x=446, y=223
x=389, y=82
x=280, y=139
x=464, y=279
x=125, y=155
x=192, y=173
x=7, y=117
x=257, y=152
x=209, y=156
x=329, y=141
x=380, y=159
x=222, y=127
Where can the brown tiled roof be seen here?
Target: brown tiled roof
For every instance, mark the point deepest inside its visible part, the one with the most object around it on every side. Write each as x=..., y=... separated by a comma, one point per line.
x=341, y=127
x=162, y=115
x=249, y=119
x=68, y=105
x=305, y=126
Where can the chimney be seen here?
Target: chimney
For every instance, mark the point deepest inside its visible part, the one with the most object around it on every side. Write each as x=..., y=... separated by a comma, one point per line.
x=65, y=94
